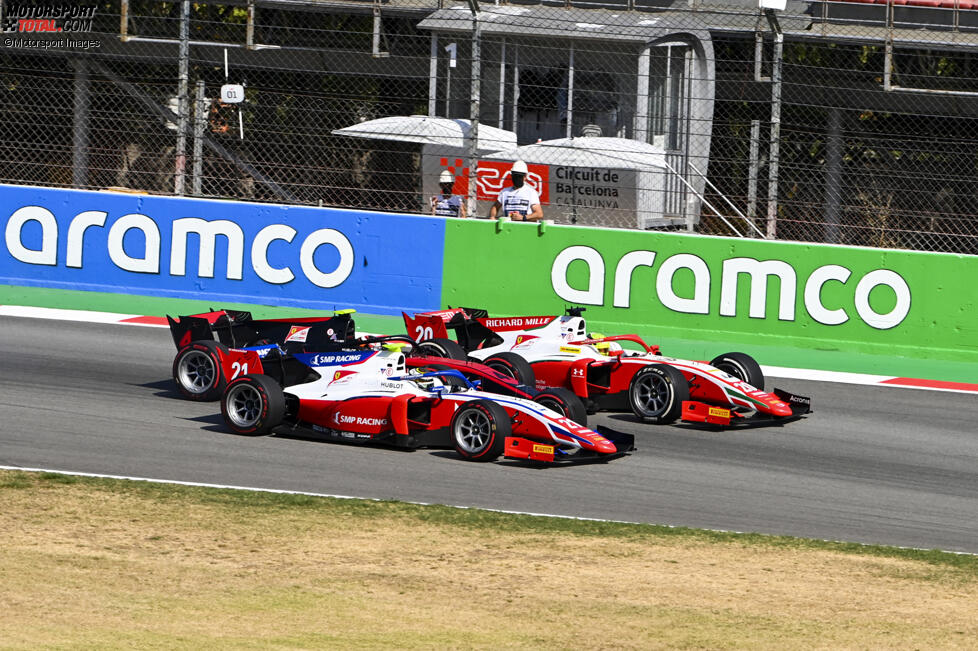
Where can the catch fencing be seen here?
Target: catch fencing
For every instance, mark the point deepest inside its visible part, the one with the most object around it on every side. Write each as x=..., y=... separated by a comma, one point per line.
x=839, y=122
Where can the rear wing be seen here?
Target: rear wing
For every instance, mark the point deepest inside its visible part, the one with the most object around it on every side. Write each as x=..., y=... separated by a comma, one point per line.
x=473, y=327
x=470, y=332
x=196, y=327
x=237, y=329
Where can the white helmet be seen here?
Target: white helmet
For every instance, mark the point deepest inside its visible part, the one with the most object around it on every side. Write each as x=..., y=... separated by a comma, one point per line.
x=446, y=177
x=519, y=167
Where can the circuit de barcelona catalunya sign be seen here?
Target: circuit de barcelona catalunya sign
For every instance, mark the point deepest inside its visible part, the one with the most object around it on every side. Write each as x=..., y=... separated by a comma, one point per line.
x=308, y=257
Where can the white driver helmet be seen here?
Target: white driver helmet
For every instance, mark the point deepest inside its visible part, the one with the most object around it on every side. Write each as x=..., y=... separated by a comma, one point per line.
x=519, y=167
x=446, y=177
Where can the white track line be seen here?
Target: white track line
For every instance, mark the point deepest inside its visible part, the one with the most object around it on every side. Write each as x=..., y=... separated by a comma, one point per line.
x=277, y=491
x=73, y=315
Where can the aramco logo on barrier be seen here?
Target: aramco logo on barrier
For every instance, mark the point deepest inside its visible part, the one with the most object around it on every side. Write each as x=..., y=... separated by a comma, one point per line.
x=181, y=231
x=758, y=271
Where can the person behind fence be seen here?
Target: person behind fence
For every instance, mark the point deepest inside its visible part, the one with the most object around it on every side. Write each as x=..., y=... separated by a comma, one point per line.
x=520, y=202
x=447, y=204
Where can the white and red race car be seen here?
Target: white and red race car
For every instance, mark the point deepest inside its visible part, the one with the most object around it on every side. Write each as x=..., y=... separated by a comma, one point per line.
x=557, y=351
x=370, y=395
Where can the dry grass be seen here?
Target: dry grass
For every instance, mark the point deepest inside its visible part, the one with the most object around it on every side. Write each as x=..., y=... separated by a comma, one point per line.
x=104, y=564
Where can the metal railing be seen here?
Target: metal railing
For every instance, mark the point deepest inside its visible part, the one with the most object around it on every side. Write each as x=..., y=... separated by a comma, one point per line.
x=855, y=125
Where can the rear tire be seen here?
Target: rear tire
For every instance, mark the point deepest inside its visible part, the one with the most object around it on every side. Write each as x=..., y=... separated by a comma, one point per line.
x=441, y=348
x=512, y=365
x=656, y=394
x=564, y=402
x=253, y=405
x=479, y=430
x=742, y=366
x=198, y=372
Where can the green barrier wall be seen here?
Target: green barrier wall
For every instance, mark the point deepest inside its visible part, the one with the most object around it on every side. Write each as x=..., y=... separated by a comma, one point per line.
x=734, y=292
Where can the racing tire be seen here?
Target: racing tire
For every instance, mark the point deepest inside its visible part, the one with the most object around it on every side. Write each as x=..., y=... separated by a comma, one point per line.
x=479, y=430
x=253, y=405
x=656, y=394
x=198, y=372
x=441, y=348
x=742, y=366
x=512, y=365
x=565, y=402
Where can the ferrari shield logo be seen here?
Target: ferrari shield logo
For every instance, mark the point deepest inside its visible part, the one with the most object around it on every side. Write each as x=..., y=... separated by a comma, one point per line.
x=297, y=333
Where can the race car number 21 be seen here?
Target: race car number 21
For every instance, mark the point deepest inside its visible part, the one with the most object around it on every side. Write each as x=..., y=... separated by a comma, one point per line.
x=239, y=369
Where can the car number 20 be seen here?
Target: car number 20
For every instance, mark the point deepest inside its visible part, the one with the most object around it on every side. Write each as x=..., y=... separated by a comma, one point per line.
x=423, y=333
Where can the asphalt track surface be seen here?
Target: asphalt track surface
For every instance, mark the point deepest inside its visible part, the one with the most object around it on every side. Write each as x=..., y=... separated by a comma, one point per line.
x=873, y=464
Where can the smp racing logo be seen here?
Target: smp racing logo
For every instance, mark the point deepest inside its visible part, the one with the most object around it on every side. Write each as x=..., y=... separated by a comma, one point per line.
x=343, y=419
x=47, y=17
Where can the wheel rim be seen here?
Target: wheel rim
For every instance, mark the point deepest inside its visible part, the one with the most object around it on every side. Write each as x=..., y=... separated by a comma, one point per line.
x=473, y=431
x=196, y=371
x=553, y=405
x=244, y=405
x=503, y=368
x=734, y=369
x=651, y=394
x=433, y=350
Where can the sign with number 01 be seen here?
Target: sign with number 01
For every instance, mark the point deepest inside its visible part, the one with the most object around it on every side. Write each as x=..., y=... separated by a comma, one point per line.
x=232, y=93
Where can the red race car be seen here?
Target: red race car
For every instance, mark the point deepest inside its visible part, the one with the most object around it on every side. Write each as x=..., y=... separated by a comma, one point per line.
x=279, y=348
x=204, y=362
x=557, y=351
x=372, y=396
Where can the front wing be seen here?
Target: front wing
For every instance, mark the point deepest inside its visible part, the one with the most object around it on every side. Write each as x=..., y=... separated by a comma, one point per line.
x=521, y=448
x=701, y=412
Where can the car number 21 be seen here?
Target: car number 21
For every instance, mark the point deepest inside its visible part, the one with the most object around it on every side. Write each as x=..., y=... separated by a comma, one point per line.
x=239, y=369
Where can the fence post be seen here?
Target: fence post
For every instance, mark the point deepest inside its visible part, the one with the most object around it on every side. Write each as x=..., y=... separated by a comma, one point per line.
x=833, y=175
x=775, y=141
x=754, y=168
x=474, y=108
x=183, y=123
x=80, y=125
x=200, y=122
x=433, y=77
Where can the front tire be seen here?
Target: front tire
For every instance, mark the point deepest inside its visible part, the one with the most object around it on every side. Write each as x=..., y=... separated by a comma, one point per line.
x=742, y=366
x=253, y=405
x=479, y=430
x=441, y=348
x=656, y=394
x=565, y=402
x=514, y=366
x=198, y=372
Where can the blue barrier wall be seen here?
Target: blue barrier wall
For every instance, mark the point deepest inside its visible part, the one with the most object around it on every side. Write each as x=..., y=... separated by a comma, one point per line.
x=218, y=250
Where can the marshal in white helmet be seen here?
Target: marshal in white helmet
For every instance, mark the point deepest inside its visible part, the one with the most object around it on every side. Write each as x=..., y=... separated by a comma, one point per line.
x=520, y=201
